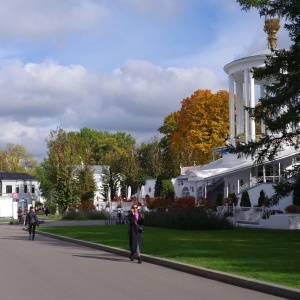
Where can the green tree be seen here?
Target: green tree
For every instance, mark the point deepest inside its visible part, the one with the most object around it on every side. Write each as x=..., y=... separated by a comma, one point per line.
x=62, y=161
x=279, y=109
x=296, y=193
x=219, y=200
x=150, y=157
x=245, y=200
x=158, y=187
x=16, y=159
x=168, y=189
x=263, y=200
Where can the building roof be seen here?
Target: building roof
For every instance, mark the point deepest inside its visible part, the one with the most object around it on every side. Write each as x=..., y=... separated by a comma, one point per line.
x=16, y=176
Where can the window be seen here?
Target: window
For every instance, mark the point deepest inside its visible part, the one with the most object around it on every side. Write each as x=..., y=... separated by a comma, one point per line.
x=185, y=192
x=25, y=188
x=32, y=189
x=8, y=189
x=149, y=189
x=17, y=189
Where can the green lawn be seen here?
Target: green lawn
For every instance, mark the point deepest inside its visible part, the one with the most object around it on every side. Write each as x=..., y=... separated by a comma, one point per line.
x=267, y=255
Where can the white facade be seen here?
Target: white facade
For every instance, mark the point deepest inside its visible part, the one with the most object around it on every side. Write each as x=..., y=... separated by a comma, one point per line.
x=231, y=174
x=17, y=190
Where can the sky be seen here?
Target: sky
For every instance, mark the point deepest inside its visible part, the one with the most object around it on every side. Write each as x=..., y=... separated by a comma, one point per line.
x=114, y=65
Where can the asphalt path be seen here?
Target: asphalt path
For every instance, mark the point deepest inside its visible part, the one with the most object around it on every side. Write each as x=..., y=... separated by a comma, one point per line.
x=51, y=269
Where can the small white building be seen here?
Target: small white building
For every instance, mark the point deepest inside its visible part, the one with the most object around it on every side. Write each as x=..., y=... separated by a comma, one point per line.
x=17, y=190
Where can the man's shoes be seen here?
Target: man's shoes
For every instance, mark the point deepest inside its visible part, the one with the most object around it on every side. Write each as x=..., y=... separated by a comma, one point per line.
x=139, y=260
x=29, y=238
x=131, y=257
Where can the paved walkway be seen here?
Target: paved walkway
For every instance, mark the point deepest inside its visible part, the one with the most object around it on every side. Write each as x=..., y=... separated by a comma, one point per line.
x=49, y=268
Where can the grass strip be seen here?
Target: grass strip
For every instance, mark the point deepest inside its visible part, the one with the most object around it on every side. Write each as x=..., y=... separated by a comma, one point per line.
x=268, y=255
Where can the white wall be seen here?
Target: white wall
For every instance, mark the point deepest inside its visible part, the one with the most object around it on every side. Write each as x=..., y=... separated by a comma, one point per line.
x=254, y=193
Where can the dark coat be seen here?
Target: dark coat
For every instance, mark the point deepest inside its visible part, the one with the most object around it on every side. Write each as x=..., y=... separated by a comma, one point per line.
x=135, y=238
x=31, y=219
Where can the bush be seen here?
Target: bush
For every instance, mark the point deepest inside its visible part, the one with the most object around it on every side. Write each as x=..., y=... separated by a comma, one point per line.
x=219, y=200
x=84, y=215
x=245, y=200
x=292, y=209
x=198, y=219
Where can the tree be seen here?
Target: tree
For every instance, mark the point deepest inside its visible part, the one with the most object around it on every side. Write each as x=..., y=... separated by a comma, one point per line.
x=245, y=200
x=158, y=187
x=150, y=157
x=279, y=109
x=168, y=189
x=15, y=159
x=197, y=127
x=62, y=161
x=170, y=159
x=263, y=200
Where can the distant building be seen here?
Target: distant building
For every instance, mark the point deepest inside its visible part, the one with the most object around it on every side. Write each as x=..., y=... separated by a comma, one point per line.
x=17, y=190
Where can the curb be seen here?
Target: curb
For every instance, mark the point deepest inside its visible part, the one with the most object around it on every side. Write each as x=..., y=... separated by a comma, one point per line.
x=261, y=286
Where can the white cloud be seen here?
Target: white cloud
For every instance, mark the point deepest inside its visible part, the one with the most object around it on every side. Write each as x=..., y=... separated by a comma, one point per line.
x=48, y=19
x=135, y=98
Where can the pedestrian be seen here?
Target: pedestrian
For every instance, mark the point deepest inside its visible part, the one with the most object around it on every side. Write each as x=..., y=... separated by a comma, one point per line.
x=32, y=221
x=136, y=225
x=47, y=211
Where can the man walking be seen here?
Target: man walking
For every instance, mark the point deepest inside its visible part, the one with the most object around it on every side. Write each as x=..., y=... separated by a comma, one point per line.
x=32, y=221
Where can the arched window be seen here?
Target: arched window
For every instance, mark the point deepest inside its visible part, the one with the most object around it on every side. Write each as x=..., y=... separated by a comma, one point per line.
x=185, y=192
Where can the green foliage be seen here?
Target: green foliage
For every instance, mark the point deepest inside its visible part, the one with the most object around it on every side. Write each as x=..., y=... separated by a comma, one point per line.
x=10, y=160
x=245, y=200
x=197, y=219
x=158, y=187
x=292, y=209
x=263, y=200
x=168, y=189
x=296, y=192
x=51, y=205
x=84, y=215
x=234, y=199
x=219, y=200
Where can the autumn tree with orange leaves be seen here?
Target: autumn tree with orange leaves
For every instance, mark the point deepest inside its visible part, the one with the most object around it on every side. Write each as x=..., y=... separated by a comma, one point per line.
x=200, y=125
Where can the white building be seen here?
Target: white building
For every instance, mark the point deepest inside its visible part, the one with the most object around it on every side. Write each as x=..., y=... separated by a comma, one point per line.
x=17, y=190
x=231, y=174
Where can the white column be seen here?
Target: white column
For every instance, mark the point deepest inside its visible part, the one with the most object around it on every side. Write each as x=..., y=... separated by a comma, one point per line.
x=231, y=110
x=246, y=97
x=279, y=171
x=262, y=124
x=239, y=108
x=252, y=105
x=264, y=173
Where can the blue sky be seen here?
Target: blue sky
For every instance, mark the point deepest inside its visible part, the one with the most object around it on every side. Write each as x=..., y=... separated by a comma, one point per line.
x=113, y=64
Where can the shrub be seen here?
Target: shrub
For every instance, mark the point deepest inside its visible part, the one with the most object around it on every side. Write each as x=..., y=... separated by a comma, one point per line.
x=180, y=204
x=263, y=200
x=84, y=215
x=197, y=219
x=245, y=200
x=86, y=205
x=296, y=192
x=292, y=209
x=168, y=189
x=158, y=203
x=218, y=201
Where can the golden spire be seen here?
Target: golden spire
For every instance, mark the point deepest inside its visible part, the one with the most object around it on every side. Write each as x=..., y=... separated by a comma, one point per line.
x=271, y=27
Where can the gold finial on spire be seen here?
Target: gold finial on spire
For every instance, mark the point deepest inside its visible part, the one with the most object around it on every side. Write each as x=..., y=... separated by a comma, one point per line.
x=271, y=27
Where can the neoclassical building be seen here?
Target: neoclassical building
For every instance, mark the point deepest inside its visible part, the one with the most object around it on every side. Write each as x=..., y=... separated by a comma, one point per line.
x=231, y=174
